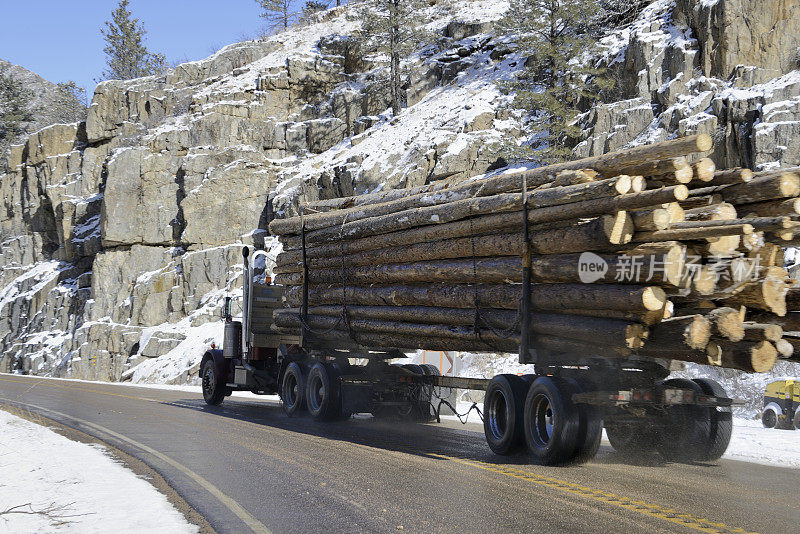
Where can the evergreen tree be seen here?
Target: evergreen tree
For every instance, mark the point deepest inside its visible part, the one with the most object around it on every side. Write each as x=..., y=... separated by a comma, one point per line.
x=70, y=103
x=16, y=109
x=277, y=12
x=394, y=28
x=311, y=8
x=555, y=85
x=127, y=56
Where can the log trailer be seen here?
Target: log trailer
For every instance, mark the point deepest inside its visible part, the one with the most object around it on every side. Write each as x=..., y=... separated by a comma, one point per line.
x=558, y=411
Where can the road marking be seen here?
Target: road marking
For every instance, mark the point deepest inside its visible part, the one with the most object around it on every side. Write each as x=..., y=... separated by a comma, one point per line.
x=38, y=382
x=254, y=524
x=653, y=510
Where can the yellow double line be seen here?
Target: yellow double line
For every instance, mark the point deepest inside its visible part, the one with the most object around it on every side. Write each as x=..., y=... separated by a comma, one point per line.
x=652, y=510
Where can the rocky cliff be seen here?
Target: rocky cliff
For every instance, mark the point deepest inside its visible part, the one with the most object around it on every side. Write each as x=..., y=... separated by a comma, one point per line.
x=121, y=235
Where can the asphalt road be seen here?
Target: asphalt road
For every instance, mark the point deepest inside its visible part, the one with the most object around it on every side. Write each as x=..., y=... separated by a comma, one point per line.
x=246, y=467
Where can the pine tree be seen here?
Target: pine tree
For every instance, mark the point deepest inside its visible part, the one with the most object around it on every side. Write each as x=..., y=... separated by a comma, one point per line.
x=277, y=12
x=555, y=85
x=394, y=28
x=16, y=109
x=69, y=104
x=127, y=56
x=311, y=8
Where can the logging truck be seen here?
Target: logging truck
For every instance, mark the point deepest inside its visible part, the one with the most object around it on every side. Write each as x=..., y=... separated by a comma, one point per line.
x=557, y=412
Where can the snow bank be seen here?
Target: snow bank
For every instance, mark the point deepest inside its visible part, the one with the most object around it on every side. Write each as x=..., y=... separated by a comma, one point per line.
x=51, y=484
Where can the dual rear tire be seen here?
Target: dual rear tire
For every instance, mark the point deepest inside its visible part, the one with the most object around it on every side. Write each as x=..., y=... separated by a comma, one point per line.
x=317, y=391
x=542, y=416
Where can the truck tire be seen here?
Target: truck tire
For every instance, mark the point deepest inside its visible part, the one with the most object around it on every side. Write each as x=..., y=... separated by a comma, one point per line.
x=504, y=413
x=685, y=436
x=552, y=422
x=323, y=392
x=769, y=418
x=589, y=433
x=421, y=409
x=214, y=389
x=721, y=421
x=797, y=419
x=293, y=389
x=631, y=439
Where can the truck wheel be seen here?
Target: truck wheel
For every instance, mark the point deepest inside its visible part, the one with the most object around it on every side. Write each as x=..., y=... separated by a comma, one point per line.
x=552, y=422
x=323, y=392
x=721, y=421
x=769, y=418
x=421, y=409
x=214, y=389
x=797, y=419
x=685, y=436
x=504, y=413
x=590, y=431
x=293, y=389
x=631, y=439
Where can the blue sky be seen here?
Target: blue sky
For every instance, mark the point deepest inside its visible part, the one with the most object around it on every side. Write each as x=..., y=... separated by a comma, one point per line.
x=60, y=39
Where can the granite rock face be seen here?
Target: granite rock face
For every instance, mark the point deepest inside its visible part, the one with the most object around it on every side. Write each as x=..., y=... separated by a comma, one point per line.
x=727, y=68
x=122, y=234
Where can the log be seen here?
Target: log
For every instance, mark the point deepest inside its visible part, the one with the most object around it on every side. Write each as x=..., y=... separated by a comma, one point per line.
x=789, y=323
x=650, y=220
x=680, y=176
x=711, y=212
x=748, y=356
x=599, y=234
x=732, y=176
x=771, y=208
x=496, y=318
x=655, y=167
x=785, y=349
x=688, y=231
x=762, y=332
x=709, y=355
x=772, y=186
x=591, y=329
x=727, y=323
x=464, y=197
x=724, y=246
x=439, y=229
x=704, y=170
x=543, y=296
x=697, y=201
x=582, y=349
x=679, y=333
x=768, y=293
x=676, y=212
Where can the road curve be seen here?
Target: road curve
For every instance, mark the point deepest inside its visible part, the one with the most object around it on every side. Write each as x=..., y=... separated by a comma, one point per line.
x=246, y=467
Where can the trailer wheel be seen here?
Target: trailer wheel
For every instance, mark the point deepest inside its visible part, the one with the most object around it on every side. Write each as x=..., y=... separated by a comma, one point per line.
x=504, y=413
x=214, y=390
x=293, y=389
x=685, y=436
x=323, y=395
x=721, y=421
x=631, y=439
x=552, y=422
x=590, y=431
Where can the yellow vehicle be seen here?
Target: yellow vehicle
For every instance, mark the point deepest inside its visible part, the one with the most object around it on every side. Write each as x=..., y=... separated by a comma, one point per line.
x=782, y=405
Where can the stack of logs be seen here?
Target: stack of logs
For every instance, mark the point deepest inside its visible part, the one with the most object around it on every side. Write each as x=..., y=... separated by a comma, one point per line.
x=648, y=251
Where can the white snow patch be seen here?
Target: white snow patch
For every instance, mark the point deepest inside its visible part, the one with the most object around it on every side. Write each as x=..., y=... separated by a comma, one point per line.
x=81, y=486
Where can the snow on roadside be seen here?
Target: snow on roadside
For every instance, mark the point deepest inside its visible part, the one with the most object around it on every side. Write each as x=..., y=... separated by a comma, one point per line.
x=751, y=442
x=51, y=484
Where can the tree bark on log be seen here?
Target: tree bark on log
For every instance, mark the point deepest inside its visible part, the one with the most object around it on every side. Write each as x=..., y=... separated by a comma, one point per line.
x=580, y=349
x=771, y=208
x=781, y=185
x=656, y=167
x=537, y=198
x=629, y=299
x=651, y=220
x=748, y=356
x=435, y=218
x=712, y=212
x=762, y=332
x=591, y=329
x=679, y=333
x=688, y=231
x=732, y=176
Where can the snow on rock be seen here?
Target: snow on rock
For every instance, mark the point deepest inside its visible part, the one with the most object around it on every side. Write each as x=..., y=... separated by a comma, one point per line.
x=58, y=485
